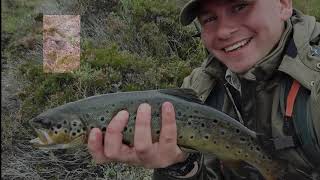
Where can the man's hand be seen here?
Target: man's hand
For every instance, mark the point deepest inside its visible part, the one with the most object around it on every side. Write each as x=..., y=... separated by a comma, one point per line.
x=144, y=153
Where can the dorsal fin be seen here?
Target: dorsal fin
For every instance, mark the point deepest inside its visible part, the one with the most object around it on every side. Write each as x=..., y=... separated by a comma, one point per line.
x=183, y=93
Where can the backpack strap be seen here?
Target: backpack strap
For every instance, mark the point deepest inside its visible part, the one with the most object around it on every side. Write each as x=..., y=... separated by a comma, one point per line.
x=292, y=95
x=298, y=126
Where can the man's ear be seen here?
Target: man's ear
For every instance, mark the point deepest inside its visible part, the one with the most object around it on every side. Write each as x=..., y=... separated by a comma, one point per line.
x=286, y=9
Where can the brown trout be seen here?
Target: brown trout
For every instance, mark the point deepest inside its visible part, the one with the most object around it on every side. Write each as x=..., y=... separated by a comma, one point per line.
x=199, y=127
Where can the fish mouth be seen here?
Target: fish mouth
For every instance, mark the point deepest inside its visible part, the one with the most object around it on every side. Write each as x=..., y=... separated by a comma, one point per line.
x=45, y=142
x=42, y=140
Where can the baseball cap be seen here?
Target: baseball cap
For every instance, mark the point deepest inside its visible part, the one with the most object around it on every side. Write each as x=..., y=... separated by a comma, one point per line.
x=189, y=12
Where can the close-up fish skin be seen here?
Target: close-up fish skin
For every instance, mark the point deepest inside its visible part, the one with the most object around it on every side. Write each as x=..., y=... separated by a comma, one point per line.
x=199, y=127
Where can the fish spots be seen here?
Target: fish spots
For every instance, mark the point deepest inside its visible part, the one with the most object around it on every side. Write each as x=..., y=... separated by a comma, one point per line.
x=180, y=137
x=189, y=123
x=59, y=129
x=227, y=147
x=242, y=139
x=206, y=137
x=215, y=121
x=258, y=149
x=196, y=111
x=238, y=131
x=158, y=132
x=87, y=116
x=214, y=142
x=222, y=132
x=191, y=137
x=74, y=132
x=179, y=113
x=203, y=125
x=125, y=129
x=102, y=119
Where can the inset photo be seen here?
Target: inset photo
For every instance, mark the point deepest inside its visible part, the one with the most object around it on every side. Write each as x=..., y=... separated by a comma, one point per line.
x=61, y=43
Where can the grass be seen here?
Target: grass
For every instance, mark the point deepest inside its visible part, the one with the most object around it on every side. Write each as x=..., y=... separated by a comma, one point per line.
x=311, y=7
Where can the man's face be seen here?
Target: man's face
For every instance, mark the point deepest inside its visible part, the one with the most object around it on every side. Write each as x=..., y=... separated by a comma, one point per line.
x=241, y=32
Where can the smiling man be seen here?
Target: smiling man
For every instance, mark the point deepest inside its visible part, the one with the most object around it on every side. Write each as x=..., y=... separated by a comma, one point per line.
x=263, y=70
x=241, y=33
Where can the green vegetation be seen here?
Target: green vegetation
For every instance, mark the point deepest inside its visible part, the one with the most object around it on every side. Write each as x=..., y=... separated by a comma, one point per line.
x=125, y=46
x=311, y=7
x=144, y=48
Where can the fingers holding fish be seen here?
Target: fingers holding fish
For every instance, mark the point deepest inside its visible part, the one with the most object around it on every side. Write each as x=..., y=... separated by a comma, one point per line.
x=142, y=136
x=113, y=137
x=95, y=146
x=168, y=134
x=157, y=155
x=168, y=137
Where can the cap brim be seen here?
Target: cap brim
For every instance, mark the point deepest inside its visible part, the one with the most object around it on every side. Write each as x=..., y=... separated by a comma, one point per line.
x=189, y=12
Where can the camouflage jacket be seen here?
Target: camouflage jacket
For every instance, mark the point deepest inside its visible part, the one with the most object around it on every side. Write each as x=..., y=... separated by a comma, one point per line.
x=260, y=104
